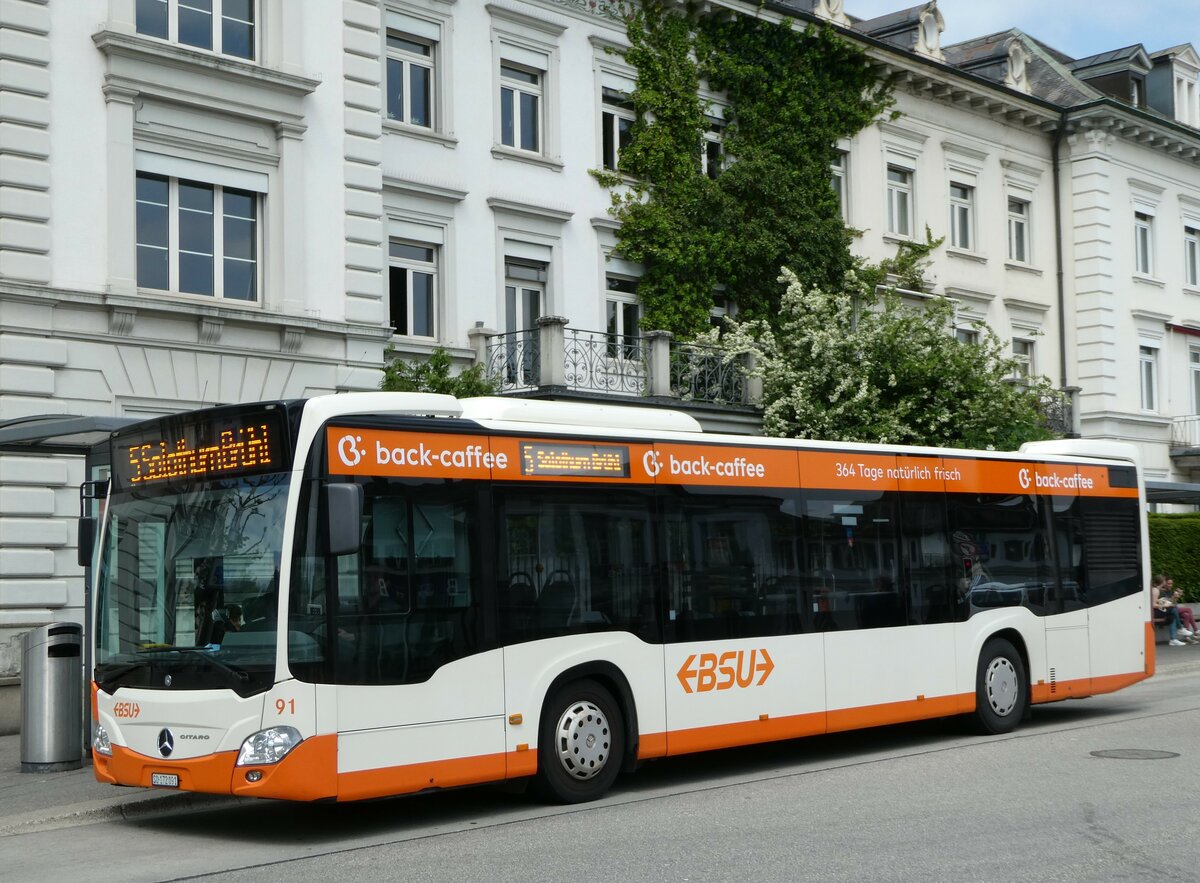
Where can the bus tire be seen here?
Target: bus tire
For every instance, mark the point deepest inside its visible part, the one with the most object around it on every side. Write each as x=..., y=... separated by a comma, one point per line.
x=1001, y=688
x=581, y=743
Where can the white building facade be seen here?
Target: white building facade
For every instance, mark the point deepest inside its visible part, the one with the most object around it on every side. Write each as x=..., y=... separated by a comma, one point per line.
x=212, y=201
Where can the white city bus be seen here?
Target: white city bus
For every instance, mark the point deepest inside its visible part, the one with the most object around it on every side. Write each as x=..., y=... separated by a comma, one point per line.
x=372, y=594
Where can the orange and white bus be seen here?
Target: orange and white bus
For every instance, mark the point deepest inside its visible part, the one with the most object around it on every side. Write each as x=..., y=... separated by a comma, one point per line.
x=371, y=594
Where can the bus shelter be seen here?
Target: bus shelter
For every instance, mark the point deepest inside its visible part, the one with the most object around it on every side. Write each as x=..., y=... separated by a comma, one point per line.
x=77, y=436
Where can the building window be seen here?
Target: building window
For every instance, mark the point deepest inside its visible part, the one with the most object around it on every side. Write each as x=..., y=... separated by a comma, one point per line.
x=1143, y=239
x=899, y=201
x=720, y=311
x=623, y=316
x=524, y=297
x=410, y=65
x=616, y=126
x=1018, y=230
x=224, y=26
x=524, y=293
x=1148, y=372
x=1191, y=256
x=712, y=150
x=1022, y=351
x=412, y=288
x=196, y=238
x=1194, y=366
x=837, y=171
x=520, y=107
x=969, y=336
x=962, y=208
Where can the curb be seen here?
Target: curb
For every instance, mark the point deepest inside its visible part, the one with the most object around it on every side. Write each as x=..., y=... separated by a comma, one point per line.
x=104, y=810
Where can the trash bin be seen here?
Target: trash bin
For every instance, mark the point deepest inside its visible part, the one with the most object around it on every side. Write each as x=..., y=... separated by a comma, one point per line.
x=52, y=699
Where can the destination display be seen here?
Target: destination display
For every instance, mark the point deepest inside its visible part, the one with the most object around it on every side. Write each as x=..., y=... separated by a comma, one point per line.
x=186, y=449
x=561, y=459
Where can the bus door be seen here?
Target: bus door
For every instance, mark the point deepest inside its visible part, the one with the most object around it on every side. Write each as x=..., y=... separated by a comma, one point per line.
x=1068, y=651
x=1098, y=552
x=743, y=661
x=420, y=701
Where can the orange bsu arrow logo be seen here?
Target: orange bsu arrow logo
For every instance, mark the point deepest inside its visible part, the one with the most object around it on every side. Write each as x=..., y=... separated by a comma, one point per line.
x=708, y=671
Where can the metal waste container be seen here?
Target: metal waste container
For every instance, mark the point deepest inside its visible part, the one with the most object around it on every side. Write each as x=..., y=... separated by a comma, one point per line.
x=52, y=699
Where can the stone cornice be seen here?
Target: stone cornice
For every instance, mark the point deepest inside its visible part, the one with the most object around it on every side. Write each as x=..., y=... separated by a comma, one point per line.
x=1166, y=137
x=156, y=68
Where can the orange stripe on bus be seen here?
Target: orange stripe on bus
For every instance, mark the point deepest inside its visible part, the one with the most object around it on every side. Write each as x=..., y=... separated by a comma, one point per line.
x=744, y=733
x=522, y=763
x=1078, y=688
x=652, y=745
x=212, y=773
x=841, y=719
x=1151, y=650
x=362, y=451
x=309, y=772
x=410, y=778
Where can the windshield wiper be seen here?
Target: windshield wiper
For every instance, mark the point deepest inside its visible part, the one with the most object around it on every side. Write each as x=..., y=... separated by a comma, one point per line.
x=206, y=655
x=238, y=673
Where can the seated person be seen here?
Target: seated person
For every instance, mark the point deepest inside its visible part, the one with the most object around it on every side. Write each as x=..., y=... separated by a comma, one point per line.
x=1165, y=604
x=230, y=622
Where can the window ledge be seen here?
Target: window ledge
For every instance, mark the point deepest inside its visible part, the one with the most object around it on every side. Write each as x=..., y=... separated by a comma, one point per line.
x=421, y=133
x=897, y=239
x=1191, y=289
x=153, y=301
x=964, y=254
x=404, y=346
x=1149, y=280
x=1022, y=268
x=140, y=65
x=503, y=151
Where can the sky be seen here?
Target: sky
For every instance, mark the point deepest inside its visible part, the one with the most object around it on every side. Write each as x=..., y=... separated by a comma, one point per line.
x=1077, y=27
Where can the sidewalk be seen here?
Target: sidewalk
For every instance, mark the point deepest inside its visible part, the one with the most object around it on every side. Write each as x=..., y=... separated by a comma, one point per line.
x=40, y=801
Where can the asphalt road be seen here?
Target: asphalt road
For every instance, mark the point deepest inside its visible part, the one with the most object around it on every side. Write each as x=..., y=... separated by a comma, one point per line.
x=915, y=802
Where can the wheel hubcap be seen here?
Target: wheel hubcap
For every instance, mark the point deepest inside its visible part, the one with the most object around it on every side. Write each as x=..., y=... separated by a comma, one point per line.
x=583, y=740
x=1000, y=683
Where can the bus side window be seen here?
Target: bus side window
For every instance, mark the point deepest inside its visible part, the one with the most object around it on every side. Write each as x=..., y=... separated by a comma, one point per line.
x=852, y=555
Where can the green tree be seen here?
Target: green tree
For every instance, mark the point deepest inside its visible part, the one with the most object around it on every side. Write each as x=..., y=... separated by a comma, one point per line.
x=789, y=94
x=434, y=375
x=856, y=365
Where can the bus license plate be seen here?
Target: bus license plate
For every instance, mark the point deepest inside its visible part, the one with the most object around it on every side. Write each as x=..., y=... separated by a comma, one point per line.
x=164, y=780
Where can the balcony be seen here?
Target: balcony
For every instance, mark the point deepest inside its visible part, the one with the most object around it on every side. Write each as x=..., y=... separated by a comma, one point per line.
x=554, y=359
x=1185, y=441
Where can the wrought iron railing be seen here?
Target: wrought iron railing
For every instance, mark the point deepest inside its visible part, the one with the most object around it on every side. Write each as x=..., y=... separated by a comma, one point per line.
x=514, y=360
x=1057, y=415
x=1185, y=431
x=699, y=373
x=596, y=361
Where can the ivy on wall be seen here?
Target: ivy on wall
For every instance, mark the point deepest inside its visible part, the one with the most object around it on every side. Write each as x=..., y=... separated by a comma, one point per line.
x=790, y=93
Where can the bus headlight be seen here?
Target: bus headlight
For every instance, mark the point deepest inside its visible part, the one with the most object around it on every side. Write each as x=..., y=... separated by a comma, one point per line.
x=100, y=743
x=268, y=746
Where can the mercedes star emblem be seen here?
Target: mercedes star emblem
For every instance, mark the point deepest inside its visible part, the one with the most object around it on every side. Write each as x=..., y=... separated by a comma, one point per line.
x=167, y=681
x=166, y=743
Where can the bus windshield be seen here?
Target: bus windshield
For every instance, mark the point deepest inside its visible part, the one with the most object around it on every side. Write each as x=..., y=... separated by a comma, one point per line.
x=188, y=586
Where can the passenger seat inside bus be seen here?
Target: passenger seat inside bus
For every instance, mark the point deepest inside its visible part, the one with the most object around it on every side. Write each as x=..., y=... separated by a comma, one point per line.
x=557, y=604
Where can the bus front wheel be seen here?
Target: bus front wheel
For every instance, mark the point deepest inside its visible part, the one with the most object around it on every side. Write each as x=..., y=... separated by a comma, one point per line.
x=1001, y=688
x=581, y=744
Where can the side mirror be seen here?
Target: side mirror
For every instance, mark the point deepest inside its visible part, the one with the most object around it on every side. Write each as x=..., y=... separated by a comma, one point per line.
x=87, y=540
x=343, y=508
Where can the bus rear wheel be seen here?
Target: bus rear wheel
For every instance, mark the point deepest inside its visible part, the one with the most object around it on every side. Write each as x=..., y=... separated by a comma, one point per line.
x=1001, y=688
x=581, y=744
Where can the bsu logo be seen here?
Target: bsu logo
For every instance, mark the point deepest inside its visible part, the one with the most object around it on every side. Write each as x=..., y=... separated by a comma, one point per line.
x=708, y=671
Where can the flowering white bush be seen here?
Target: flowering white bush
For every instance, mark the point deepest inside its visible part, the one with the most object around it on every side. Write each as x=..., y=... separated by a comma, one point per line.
x=852, y=365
